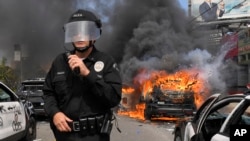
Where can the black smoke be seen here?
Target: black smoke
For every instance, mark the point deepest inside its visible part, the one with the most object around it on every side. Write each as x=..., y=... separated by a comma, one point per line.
x=152, y=34
x=159, y=35
x=37, y=27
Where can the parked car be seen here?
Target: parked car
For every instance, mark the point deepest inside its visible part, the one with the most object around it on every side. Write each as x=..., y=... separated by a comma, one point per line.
x=32, y=90
x=214, y=118
x=17, y=121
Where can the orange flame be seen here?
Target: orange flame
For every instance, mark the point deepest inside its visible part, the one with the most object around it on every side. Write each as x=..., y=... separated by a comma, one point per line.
x=128, y=90
x=182, y=80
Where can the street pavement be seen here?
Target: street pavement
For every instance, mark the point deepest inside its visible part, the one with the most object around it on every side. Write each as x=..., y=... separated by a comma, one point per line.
x=131, y=130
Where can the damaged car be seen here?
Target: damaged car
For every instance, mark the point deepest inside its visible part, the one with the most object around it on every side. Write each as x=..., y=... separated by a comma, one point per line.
x=169, y=103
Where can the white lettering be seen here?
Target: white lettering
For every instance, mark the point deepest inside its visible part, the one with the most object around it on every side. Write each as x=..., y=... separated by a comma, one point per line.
x=240, y=132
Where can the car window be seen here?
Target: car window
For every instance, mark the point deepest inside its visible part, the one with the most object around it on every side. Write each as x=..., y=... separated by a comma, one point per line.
x=245, y=117
x=217, y=116
x=239, y=115
x=4, y=97
x=228, y=108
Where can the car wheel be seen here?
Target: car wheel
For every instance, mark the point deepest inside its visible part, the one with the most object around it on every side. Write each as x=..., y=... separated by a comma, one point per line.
x=147, y=114
x=177, y=136
x=31, y=131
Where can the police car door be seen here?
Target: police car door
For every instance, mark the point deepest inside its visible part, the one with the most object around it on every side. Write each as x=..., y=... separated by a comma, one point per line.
x=193, y=129
x=12, y=115
x=239, y=116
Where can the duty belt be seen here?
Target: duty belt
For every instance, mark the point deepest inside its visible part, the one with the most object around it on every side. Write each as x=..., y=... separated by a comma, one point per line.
x=88, y=125
x=75, y=126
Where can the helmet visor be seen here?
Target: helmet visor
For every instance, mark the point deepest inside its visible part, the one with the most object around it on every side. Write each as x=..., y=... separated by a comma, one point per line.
x=81, y=31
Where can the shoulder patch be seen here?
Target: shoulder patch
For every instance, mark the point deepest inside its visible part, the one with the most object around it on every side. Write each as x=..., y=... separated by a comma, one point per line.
x=99, y=65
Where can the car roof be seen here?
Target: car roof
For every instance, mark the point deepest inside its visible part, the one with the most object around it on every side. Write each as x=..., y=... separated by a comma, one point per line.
x=33, y=81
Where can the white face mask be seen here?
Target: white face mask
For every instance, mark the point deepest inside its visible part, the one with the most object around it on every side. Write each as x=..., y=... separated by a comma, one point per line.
x=81, y=31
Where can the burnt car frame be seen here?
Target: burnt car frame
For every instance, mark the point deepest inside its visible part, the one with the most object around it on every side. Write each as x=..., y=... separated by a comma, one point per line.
x=169, y=103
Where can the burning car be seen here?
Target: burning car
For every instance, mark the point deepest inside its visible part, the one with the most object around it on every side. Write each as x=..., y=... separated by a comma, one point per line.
x=159, y=94
x=169, y=103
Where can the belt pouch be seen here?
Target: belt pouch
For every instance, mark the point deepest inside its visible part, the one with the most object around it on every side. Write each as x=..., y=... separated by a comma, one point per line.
x=107, y=127
x=83, y=126
x=92, y=125
x=107, y=124
x=99, y=122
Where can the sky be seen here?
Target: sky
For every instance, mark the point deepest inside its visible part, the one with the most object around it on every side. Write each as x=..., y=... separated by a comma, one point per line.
x=184, y=4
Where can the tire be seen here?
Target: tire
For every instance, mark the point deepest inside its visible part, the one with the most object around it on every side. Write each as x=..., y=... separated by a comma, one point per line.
x=177, y=136
x=31, y=130
x=147, y=114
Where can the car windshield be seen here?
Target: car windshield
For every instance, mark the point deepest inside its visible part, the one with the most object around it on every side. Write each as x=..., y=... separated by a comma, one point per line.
x=33, y=88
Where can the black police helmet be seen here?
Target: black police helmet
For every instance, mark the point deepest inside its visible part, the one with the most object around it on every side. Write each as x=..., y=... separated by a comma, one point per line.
x=84, y=15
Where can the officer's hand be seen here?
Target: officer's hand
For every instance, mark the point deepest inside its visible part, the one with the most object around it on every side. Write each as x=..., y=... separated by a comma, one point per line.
x=60, y=120
x=75, y=61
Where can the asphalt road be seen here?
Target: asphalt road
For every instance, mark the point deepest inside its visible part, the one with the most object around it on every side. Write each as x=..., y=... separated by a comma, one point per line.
x=131, y=130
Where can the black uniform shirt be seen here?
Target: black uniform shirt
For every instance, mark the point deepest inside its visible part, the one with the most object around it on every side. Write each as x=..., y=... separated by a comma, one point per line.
x=76, y=95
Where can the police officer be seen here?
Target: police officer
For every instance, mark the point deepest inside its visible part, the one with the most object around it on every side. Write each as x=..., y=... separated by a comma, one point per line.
x=82, y=86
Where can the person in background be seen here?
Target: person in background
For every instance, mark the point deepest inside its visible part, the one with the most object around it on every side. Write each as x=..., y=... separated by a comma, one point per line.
x=210, y=11
x=82, y=86
x=248, y=89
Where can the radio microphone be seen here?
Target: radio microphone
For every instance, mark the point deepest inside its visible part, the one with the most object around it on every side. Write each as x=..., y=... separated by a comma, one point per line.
x=76, y=70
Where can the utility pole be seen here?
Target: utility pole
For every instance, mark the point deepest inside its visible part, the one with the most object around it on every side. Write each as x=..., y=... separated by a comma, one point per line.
x=189, y=7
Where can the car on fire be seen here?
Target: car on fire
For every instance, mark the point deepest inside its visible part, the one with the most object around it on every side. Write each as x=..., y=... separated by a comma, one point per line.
x=169, y=103
x=32, y=90
x=17, y=118
x=214, y=118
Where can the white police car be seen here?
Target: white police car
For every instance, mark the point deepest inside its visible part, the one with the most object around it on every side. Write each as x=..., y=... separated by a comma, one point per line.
x=237, y=124
x=17, y=122
x=215, y=118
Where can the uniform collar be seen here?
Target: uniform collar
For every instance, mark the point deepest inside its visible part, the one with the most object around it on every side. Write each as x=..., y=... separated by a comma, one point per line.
x=92, y=55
